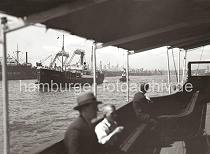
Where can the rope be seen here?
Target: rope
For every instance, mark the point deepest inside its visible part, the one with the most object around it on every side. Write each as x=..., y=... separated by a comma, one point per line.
x=168, y=71
x=184, y=67
x=200, y=60
x=179, y=66
x=174, y=65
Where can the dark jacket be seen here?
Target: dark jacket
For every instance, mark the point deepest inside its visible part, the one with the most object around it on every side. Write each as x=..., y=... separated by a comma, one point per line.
x=80, y=138
x=140, y=104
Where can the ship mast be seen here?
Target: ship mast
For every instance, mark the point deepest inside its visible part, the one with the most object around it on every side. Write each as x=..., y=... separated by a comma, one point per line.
x=62, y=54
x=17, y=55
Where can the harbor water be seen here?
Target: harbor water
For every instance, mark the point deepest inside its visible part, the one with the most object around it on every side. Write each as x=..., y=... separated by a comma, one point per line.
x=39, y=118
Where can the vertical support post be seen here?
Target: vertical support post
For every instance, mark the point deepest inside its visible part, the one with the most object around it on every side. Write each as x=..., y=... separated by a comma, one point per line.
x=127, y=75
x=5, y=88
x=26, y=57
x=184, y=67
x=174, y=65
x=179, y=67
x=94, y=69
x=168, y=67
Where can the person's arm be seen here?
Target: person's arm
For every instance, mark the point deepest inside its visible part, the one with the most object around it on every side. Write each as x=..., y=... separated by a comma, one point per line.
x=112, y=134
x=101, y=133
x=103, y=137
x=72, y=142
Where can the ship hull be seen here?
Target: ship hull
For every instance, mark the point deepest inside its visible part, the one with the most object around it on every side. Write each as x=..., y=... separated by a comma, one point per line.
x=123, y=79
x=47, y=77
x=19, y=72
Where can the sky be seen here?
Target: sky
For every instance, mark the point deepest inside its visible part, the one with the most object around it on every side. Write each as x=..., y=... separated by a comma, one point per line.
x=40, y=43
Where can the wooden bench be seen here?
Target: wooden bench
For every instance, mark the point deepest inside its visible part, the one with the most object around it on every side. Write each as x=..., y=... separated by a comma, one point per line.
x=186, y=111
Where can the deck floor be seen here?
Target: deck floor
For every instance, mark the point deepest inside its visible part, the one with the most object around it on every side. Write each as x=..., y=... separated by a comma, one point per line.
x=179, y=147
x=176, y=148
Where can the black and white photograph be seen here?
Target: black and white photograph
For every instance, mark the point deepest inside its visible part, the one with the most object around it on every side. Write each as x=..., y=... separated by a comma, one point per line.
x=105, y=77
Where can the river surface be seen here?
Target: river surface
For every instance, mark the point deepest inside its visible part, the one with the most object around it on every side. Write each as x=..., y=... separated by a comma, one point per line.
x=38, y=119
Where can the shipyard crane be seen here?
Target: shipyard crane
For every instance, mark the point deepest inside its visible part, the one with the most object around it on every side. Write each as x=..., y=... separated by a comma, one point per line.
x=77, y=52
x=43, y=60
x=10, y=58
x=61, y=54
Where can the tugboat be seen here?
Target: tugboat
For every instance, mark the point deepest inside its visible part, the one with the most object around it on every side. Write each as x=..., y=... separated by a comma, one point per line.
x=123, y=76
x=67, y=75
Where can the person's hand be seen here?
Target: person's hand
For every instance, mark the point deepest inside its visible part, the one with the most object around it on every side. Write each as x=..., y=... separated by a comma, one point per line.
x=153, y=123
x=144, y=117
x=119, y=129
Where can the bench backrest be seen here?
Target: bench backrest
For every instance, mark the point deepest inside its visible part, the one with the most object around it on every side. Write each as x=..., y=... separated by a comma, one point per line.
x=187, y=110
x=191, y=105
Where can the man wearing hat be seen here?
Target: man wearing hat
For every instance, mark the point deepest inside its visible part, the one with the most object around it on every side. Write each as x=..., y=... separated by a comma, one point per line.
x=80, y=137
x=141, y=106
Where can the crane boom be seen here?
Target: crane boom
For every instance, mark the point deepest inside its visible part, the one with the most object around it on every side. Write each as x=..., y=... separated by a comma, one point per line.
x=76, y=52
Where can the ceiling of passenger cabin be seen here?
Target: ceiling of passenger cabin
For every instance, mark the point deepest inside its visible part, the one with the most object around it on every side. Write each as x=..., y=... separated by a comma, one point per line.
x=131, y=24
x=22, y=8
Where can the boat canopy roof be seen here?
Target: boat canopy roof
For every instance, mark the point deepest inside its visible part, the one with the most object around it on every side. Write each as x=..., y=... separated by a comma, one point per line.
x=137, y=25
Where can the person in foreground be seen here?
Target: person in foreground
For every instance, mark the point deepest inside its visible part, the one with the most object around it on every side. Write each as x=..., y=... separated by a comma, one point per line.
x=80, y=137
x=108, y=128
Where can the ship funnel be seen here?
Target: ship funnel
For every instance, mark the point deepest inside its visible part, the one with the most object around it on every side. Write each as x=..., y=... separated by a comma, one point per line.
x=17, y=55
x=26, y=57
x=82, y=58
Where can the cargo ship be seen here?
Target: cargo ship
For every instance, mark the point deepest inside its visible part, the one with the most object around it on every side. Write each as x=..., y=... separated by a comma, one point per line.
x=67, y=74
x=17, y=70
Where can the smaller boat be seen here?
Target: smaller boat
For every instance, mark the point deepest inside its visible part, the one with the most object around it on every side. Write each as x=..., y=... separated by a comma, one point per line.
x=123, y=76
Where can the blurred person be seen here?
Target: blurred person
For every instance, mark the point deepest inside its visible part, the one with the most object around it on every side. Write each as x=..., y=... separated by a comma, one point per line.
x=80, y=137
x=108, y=129
x=141, y=109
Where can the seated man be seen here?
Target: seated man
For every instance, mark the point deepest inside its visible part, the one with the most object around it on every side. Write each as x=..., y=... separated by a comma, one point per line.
x=141, y=109
x=140, y=106
x=108, y=128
